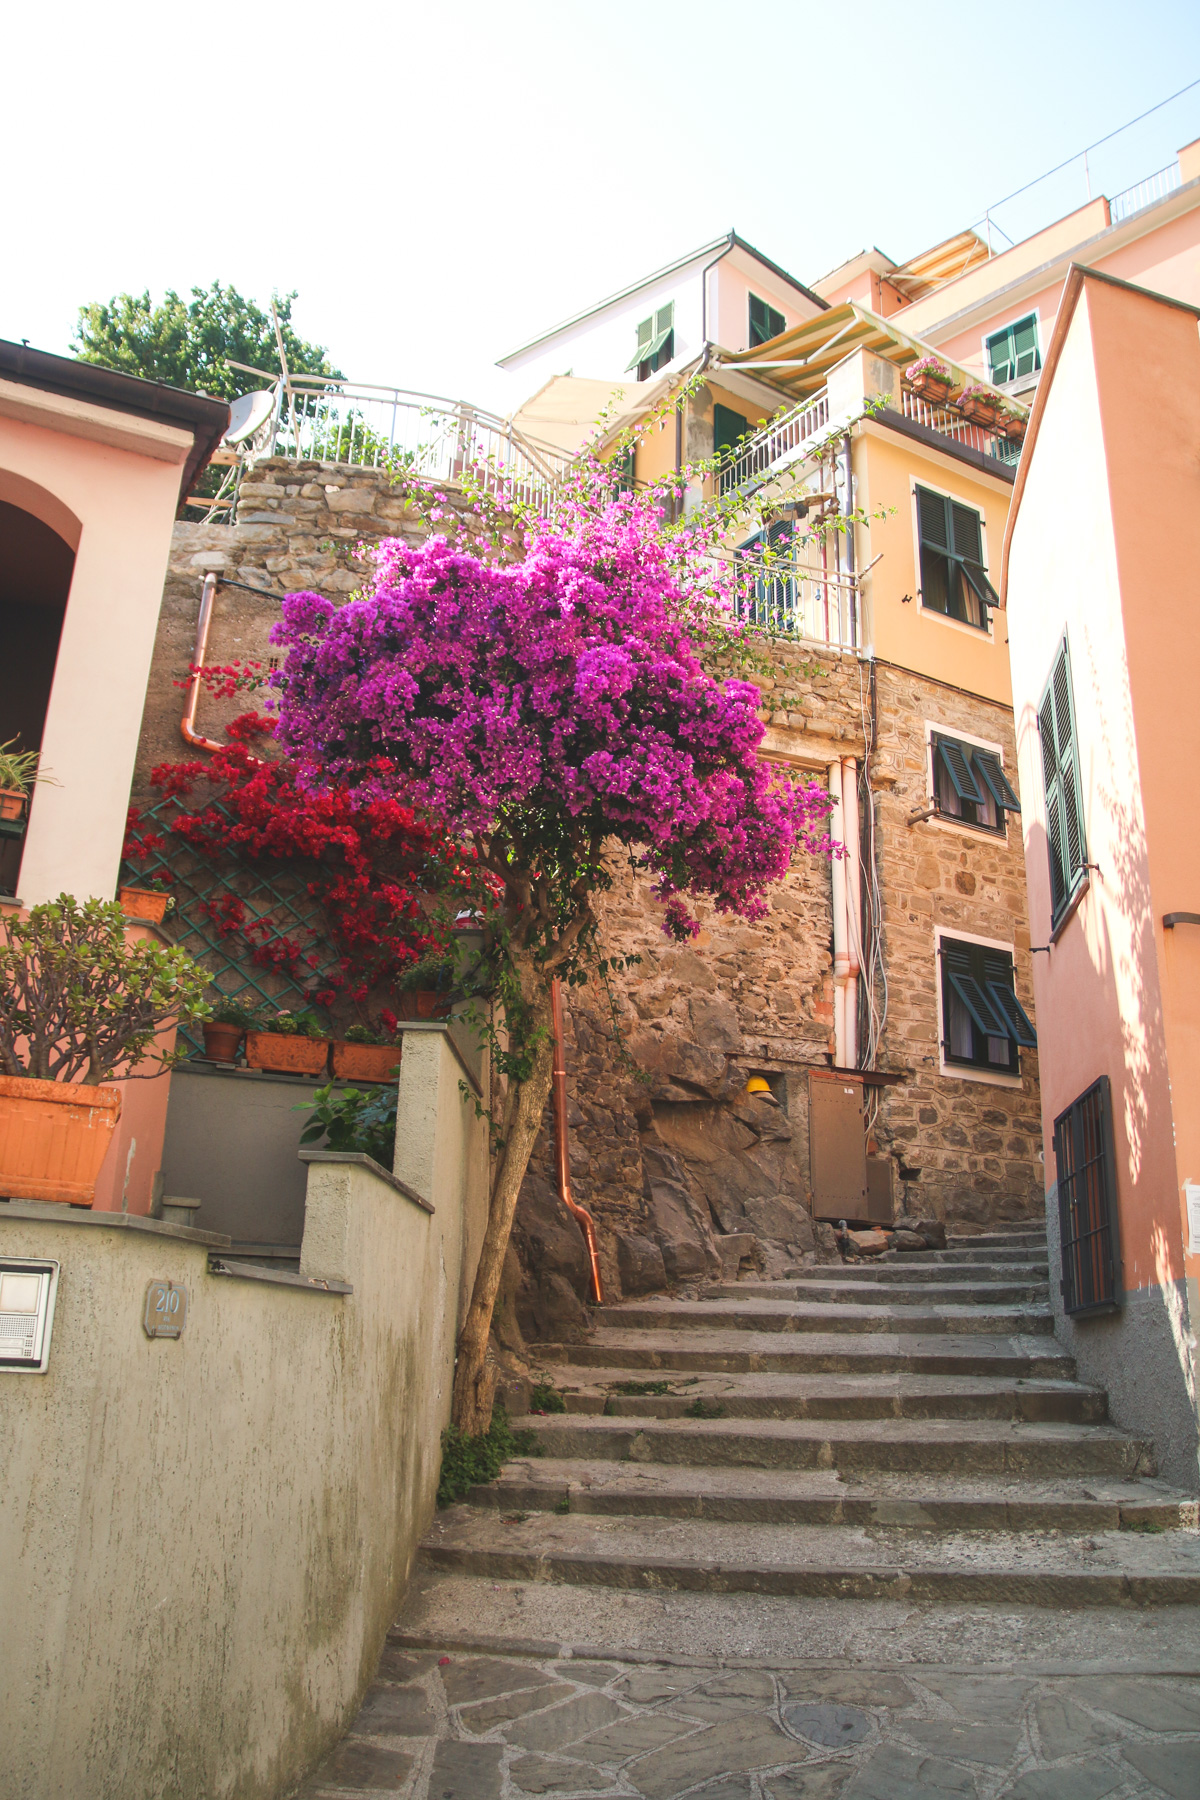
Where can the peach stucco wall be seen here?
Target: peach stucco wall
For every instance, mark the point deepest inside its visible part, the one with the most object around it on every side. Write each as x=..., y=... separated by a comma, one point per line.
x=108, y=483
x=1103, y=547
x=124, y=503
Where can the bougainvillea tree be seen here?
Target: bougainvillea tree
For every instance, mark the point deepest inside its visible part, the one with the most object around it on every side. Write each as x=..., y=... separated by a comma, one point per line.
x=556, y=711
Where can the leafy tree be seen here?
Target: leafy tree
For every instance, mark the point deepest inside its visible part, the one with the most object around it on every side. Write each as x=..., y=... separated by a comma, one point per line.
x=556, y=711
x=185, y=343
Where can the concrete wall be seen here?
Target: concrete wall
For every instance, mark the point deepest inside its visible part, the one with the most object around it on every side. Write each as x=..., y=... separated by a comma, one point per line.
x=1115, y=441
x=203, y=1541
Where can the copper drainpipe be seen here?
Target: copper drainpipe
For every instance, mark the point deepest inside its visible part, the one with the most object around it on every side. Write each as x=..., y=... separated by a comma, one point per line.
x=187, y=724
x=580, y=1214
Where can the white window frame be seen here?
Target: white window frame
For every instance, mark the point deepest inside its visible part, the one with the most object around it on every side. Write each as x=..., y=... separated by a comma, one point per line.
x=958, y=1071
x=934, y=728
x=988, y=632
x=985, y=362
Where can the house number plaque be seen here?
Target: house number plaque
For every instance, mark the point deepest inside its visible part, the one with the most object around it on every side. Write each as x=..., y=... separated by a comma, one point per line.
x=166, y=1310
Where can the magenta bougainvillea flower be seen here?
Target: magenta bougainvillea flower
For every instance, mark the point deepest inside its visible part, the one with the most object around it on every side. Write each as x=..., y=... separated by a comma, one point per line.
x=558, y=699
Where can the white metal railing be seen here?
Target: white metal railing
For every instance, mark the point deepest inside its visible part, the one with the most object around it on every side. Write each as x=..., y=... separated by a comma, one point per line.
x=790, y=600
x=1144, y=193
x=775, y=445
x=425, y=435
x=949, y=422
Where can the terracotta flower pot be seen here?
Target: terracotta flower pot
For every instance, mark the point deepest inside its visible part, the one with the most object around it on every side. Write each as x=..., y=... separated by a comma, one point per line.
x=934, y=387
x=286, y=1055
x=423, y=1003
x=143, y=903
x=365, y=1062
x=982, y=412
x=53, y=1138
x=12, y=803
x=222, y=1042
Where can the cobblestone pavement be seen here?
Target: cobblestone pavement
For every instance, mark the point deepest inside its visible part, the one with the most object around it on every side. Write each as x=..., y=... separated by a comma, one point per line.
x=461, y=1726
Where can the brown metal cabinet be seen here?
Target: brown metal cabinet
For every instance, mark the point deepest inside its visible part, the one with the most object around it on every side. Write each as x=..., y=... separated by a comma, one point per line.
x=837, y=1145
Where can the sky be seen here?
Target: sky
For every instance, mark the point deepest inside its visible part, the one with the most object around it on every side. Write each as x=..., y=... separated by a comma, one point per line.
x=441, y=182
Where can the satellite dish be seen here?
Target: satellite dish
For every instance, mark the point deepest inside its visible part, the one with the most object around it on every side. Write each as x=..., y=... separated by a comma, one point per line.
x=248, y=414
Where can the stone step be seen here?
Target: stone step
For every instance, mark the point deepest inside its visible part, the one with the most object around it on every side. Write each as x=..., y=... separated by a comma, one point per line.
x=822, y=1497
x=834, y=1290
x=813, y=1561
x=835, y=1353
x=787, y=1396
x=997, y=1240
x=907, y=1270
x=944, y=1446
x=914, y=1258
x=761, y=1315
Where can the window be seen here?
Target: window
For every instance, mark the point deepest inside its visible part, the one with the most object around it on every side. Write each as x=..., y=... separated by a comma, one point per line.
x=969, y=784
x=728, y=428
x=765, y=322
x=953, y=578
x=1014, y=351
x=1087, y=1202
x=983, y=1022
x=1064, y=806
x=655, y=342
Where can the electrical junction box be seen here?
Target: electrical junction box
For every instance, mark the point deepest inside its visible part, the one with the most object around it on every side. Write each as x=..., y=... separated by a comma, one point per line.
x=27, y=1294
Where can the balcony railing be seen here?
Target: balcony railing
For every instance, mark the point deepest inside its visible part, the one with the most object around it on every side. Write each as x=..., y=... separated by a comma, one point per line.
x=775, y=445
x=1144, y=193
x=949, y=422
x=421, y=434
x=789, y=600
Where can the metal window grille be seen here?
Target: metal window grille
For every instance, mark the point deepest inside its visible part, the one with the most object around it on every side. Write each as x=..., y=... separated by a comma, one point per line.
x=1087, y=1203
x=275, y=903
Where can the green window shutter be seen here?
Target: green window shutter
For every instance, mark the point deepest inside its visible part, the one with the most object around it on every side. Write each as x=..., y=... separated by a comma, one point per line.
x=664, y=319
x=1026, y=355
x=967, y=530
x=988, y=766
x=765, y=322
x=728, y=427
x=645, y=336
x=1002, y=356
x=1060, y=770
x=973, y=996
x=954, y=761
x=934, y=513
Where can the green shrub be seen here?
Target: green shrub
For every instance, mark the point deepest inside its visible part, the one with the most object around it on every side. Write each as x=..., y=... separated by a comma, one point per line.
x=350, y=1119
x=467, y=1461
x=546, y=1399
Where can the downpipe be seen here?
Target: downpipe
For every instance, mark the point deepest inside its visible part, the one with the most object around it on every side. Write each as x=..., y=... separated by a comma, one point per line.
x=187, y=725
x=580, y=1214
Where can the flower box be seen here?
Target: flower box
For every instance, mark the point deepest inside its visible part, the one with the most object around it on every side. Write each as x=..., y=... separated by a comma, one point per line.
x=143, y=903
x=980, y=410
x=422, y=1003
x=365, y=1062
x=53, y=1138
x=12, y=803
x=222, y=1042
x=1013, y=427
x=286, y=1054
x=934, y=386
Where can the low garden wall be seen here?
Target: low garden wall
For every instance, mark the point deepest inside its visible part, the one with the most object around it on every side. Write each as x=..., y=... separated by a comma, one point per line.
x=204, y=1538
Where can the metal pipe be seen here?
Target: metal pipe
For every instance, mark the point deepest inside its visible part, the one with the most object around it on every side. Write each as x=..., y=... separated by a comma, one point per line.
x=580, y=1214
x=841, y=960
x=853, y=905
x=187, y=724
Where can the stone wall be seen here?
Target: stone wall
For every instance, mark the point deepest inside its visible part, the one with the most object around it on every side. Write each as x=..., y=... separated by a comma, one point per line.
x=685, y=1173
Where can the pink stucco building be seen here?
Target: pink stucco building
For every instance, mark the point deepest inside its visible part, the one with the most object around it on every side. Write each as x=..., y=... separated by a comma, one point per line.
x=1103, y=612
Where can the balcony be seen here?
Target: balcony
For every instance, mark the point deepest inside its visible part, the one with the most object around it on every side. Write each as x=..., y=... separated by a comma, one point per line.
x=784, y=441
x=794, y=602
x=945, y=418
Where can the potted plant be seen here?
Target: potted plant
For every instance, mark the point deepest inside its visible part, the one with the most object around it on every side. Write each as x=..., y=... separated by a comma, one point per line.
x=289, y=1044
x=425, y=988
x=1012, y=424
x=78, y=1006
x=930, y=377
x=980, y=404
x=224, y=1032
x=366, y=1054
x=18, y=772
x=150, y=900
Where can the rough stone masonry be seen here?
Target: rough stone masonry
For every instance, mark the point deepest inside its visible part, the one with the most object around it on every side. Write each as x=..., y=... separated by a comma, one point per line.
x=686, y=1173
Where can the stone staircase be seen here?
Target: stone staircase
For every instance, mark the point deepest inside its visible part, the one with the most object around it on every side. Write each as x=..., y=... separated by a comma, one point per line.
x=903, y=1429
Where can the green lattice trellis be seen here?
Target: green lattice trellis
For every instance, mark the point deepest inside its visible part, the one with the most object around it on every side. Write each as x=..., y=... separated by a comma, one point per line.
x=277, y=900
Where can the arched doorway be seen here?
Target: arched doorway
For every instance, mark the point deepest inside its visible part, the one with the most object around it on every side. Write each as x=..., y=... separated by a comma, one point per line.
x=36, y=566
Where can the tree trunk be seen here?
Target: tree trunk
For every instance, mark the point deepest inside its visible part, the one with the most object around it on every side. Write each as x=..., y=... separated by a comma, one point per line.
x=473, y=1380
